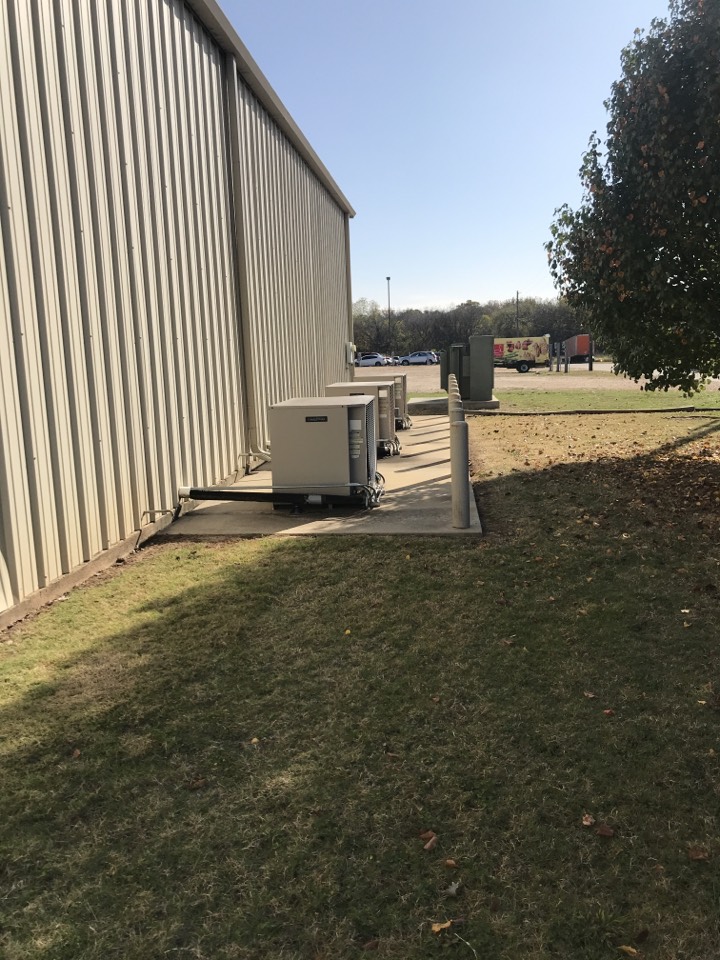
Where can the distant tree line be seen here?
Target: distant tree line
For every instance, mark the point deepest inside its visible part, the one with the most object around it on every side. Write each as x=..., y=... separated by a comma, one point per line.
x=407, y=330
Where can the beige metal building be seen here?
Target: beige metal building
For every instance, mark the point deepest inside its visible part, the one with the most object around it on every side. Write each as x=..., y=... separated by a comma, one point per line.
x=174, y=258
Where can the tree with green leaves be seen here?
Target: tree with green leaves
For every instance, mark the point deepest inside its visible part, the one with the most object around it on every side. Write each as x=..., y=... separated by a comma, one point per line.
x=640, y=257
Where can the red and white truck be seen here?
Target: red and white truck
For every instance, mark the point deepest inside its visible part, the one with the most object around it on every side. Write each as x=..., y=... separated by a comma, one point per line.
x=521, y=353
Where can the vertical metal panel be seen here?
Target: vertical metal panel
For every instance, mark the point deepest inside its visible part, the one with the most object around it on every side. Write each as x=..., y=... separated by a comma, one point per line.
x=82, y=495
x=20, y=242
x=99, y=171
x=138, y=205
x=91, y=240
x=295, y=243
x=18, y=574
x=120, y=352
x=151, y=151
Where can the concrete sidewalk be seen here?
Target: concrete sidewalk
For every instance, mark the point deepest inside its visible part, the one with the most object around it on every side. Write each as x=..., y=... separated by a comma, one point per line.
x=417, y=499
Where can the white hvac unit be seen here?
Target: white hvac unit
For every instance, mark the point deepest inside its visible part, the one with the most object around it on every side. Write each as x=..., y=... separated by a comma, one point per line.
x=383, y=393
x=402, y=415
x=324, y=447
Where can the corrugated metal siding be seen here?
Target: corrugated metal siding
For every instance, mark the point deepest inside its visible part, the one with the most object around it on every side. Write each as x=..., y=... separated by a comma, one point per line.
x=295, y=248
x=121, y=361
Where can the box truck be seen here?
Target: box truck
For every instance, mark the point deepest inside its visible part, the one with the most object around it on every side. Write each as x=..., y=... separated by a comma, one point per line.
x=521, y=353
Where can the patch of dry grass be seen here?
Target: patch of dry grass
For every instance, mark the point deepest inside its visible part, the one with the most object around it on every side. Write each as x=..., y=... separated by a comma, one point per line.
x=199, y=759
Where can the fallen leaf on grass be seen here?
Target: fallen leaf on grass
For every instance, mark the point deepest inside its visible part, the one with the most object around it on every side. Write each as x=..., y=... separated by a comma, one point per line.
x=603, y=830
x=435, y=699
x=588, y=820
x=628, y=951
x=698, y=853
x=451, y=863
x=452, y=890
x=431, y=844
x=609, y=713
x=348, y=632
x=427, y=834
x=589, y=694
x=75, y=753
x=437, y=927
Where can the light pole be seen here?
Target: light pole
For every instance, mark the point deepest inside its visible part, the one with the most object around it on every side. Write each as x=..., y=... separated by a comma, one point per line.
x=390, y=345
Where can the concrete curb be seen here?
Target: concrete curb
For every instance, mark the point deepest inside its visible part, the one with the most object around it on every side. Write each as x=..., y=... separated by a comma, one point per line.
x=491, y=409
x=592, y=413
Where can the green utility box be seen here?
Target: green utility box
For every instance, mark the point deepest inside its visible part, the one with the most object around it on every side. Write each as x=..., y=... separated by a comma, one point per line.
x=472, y=365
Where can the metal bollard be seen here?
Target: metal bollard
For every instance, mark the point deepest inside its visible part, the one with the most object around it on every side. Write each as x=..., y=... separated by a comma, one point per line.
x=455, y=410
x=460, y=478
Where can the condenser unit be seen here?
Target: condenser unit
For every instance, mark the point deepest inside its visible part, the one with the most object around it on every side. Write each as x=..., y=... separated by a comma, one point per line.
x=402, y=410
x=383, y=393
x=324, y=447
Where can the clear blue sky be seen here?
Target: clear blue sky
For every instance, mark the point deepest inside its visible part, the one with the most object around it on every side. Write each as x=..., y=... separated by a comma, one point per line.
x=454, y=128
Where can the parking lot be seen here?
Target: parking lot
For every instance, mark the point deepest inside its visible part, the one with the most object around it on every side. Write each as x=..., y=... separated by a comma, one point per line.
x=427, y=379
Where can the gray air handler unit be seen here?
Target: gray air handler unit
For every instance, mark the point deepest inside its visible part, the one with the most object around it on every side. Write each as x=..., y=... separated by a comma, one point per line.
x=472, y=364
x=383, y=393
x=325, y=449
x=402, y=410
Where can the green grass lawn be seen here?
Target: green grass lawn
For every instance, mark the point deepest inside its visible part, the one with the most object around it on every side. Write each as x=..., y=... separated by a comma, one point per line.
x=541, y=400
x=232, y=750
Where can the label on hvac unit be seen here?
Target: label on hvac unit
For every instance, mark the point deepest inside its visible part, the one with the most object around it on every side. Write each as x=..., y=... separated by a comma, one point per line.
x=355, y=438
x=316, y=420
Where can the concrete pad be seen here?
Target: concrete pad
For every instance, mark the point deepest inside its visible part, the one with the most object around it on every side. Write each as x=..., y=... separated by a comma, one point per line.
x=417, y=499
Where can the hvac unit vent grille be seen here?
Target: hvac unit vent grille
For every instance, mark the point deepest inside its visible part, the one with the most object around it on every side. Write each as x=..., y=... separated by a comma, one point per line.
x=371, y=442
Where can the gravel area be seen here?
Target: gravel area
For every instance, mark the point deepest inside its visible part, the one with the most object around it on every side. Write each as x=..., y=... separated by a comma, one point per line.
x=427, y=379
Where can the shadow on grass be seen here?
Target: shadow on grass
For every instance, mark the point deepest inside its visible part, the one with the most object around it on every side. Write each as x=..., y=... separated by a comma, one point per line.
x=229, y=773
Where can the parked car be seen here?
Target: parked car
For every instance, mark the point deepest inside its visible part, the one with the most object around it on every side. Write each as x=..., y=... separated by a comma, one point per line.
x=370, y=360
x=420, y=356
